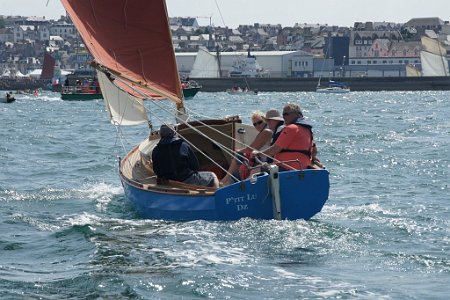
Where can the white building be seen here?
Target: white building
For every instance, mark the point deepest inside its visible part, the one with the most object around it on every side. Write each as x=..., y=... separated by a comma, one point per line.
x=277, y=63
x=63, y=30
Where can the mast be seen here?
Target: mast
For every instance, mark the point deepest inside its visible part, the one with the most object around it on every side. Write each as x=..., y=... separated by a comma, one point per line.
x=218, y=60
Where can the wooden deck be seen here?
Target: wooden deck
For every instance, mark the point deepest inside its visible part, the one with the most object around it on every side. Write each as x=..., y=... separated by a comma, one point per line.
x=135, y=170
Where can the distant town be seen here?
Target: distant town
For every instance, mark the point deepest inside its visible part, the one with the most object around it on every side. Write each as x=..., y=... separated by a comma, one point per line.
x=368, y=49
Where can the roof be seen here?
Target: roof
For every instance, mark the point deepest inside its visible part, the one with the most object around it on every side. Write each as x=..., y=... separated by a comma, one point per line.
x=256, y=53
x=26, y=27
x=424, y=21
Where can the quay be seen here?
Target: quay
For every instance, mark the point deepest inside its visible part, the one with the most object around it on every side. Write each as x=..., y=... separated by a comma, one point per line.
x=310, y=84
x=12, y=84
x=273, y=84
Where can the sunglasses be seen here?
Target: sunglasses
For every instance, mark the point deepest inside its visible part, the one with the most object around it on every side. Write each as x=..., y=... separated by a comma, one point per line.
x=257, y=123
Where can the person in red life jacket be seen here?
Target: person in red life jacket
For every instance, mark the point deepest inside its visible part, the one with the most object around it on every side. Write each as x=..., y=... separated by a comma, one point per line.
x=295, y=143
x=174, y=159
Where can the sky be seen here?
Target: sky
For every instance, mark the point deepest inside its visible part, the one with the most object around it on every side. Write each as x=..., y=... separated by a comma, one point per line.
x=233, y=13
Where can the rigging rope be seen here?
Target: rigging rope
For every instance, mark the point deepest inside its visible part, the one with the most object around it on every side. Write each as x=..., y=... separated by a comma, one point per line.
x=172, y=111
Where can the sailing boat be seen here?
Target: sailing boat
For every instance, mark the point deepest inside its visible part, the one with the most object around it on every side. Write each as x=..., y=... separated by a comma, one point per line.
x=433, y=57
x=134, y=56
x=190, y=88
x=206, y=65
x=333, y=87
x=7, y=98
x=237, y=90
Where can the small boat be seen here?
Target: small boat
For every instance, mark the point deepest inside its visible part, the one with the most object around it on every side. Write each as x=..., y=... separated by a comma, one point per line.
x=239, y=91
x=132, y=69
x=7, y=98
x=190, y=88
x=334, y=87
x=77, y=93
x=81, y=85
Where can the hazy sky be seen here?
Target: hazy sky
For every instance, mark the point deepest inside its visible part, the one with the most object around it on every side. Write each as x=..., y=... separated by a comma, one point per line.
x=232, y=13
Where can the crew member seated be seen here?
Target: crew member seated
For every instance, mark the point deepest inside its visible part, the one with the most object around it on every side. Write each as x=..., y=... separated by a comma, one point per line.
x=174, y=159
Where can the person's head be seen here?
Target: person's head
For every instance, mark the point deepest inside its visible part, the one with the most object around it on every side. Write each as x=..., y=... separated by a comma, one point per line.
x=257, y=120
x=291, y=112
x=167, y=133
x=272, y=118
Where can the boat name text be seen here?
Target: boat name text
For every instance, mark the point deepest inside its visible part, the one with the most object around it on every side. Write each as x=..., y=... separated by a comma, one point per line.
x=238, y=201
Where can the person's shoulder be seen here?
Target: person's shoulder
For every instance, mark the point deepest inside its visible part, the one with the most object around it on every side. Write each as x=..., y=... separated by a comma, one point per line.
x=289, y=127
x=267, y=131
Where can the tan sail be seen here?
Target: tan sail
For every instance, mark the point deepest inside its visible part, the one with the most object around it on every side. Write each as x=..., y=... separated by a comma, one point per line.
x=205, y=65
x=130, y=39
x=433, y=58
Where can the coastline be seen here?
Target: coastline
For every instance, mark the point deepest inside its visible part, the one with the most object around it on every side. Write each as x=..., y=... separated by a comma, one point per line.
x=287, y=84
x=310, y=84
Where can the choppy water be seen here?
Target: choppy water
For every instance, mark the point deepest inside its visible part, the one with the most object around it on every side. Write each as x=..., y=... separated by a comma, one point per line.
x=67, y=233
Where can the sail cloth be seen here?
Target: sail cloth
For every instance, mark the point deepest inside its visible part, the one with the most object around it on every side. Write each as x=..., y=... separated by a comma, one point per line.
x=123, y=108
x=412, y=71
x=48, y=68
x=433, y=58
x=206, y=64
x=132, y=39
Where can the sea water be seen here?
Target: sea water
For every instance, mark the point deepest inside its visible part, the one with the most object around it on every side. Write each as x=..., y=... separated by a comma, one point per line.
x=66, y=231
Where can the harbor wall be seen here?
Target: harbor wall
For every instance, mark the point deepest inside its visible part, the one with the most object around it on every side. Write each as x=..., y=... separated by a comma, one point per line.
x=287, y=84
x=10, y=84
x=310, y=84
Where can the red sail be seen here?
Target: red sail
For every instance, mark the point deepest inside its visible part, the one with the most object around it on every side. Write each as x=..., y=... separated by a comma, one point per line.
x=48, y=68
x=131, y=37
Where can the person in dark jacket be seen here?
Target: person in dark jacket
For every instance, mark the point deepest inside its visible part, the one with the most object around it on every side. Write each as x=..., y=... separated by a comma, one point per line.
x=174, y=159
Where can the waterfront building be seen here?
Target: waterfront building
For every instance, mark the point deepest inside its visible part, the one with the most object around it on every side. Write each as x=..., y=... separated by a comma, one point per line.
x=277, y=63
x=63, y=29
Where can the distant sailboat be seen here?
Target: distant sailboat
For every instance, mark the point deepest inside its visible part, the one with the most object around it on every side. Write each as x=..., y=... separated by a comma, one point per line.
x=433, y=57
x=206, y=65
x=333, y=87
x=412, y=71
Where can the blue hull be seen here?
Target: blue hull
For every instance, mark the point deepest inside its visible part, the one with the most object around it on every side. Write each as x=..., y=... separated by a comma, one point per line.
x=302, y=194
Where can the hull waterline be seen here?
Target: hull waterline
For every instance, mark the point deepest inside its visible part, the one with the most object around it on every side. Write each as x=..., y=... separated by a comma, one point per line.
x=302, y=194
